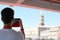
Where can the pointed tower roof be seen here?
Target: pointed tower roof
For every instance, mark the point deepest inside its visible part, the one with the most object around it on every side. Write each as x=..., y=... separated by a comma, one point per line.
x=41, y=13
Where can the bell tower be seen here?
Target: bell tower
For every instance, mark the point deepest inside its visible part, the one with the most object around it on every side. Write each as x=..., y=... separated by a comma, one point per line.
x=41, y=23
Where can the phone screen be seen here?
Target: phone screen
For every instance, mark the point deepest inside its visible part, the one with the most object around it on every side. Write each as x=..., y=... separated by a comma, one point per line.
x=16, y=22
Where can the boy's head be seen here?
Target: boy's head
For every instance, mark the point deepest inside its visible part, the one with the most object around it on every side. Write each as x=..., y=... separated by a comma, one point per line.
x=7, y=14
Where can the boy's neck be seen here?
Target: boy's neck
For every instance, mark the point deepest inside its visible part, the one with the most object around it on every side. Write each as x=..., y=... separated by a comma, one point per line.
x=6, y=26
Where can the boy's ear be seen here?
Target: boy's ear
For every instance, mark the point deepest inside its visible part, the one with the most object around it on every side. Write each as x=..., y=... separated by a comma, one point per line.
x=12, y=20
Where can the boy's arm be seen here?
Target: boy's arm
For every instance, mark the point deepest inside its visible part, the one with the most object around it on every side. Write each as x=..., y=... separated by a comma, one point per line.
x=21, y=26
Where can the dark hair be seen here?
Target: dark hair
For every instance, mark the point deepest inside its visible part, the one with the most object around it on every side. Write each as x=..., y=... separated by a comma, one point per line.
x=7, y=14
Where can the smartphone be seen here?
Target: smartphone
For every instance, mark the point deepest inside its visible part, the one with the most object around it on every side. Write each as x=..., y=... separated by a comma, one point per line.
x=16, y=22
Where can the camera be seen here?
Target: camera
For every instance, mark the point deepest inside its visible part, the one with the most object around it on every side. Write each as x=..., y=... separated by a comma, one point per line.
x=16, y=22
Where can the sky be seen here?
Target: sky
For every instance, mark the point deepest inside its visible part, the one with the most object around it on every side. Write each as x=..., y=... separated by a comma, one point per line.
x=31, y=17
